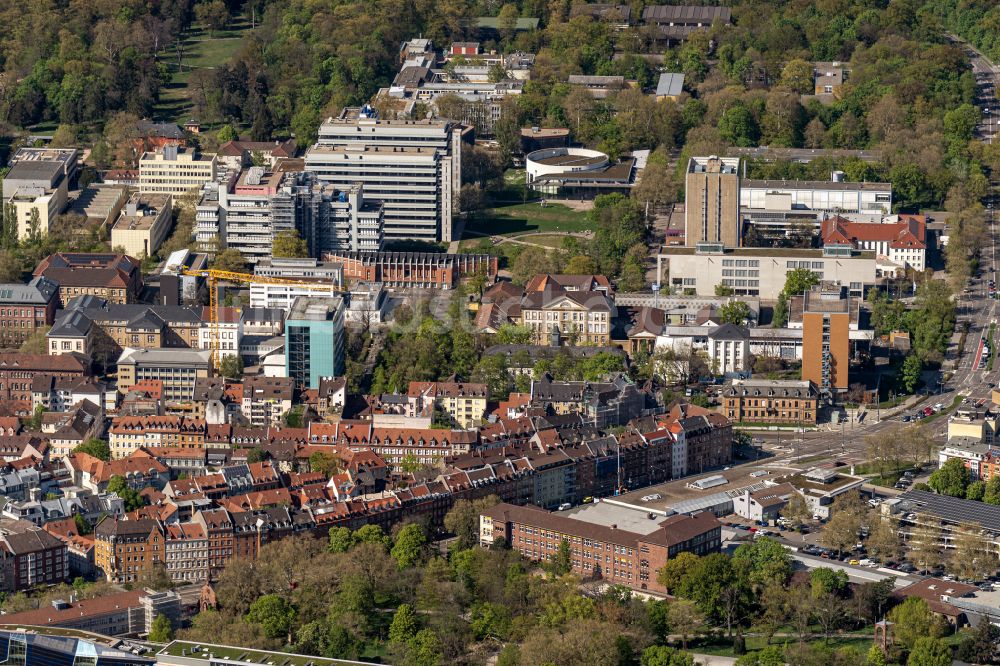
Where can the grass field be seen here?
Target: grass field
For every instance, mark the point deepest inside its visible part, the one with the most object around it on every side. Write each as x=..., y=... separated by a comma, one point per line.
x=527, y=217
x=200, y=51
x=724, y=648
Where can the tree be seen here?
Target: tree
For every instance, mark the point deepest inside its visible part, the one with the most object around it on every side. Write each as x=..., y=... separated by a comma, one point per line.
x=129, y=495
x=876, y=657
x=661, y=655
x=513, y=334
x=162, y=630
x=991, y=495
x=227, y=133
x=562, y=562
x=37, y=342
x=796, y=511
x=154, y=576
x=797, y=76
x=424, y=649
x=340, y=540
x=462, y=519
x=771, y=655
x=913, y=620
x=983, y=645
x=95, y=447
x=409, y=546
x=736, y=313
x=231, y=366
x=274, y=615
x=883, y=537
x=325, y=463
x=975, y=491
x=685, y=619
x=723, y=289
x=580, y=265
x=929, y=652
x=766, y=560
x=799, y=281
x=213, y=13
x=841, y=531
x=490, y=621
x=404, y=624
x=780, y=317
x=288, y=244
x=674, y=571
x=230, y=259
x=951, y=478
x=912, y=367
x=972, y=558
x=738, y=127
x=826, y=581
x=81, y=524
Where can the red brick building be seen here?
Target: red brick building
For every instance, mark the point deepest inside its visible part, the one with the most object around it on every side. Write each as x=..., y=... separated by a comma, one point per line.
x=25, y=308
x=414, y=269
x=17, y=371
x=116, y=278
x=598, y=551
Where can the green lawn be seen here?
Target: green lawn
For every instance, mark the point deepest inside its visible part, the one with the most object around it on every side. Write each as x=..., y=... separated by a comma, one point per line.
x=525, y=218
x=200, y=51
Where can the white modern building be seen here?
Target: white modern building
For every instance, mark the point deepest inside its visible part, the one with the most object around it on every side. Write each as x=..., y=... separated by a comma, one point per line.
x=727, y=346
x=761, y=272
x=36, y=186
x=175, y=170
x=834, y=196
x=412, y=166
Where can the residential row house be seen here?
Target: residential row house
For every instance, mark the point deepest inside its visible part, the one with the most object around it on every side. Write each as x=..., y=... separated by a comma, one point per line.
x=464, y=403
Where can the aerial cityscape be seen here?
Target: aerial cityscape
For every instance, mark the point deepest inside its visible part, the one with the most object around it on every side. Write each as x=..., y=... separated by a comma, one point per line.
x=347, y=332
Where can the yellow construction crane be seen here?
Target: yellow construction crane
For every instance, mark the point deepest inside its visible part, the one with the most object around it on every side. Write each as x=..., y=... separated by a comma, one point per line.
x=213, y=277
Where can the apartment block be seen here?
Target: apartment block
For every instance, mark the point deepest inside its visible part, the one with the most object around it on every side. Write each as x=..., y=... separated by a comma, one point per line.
x=412, y=166
x=175, y=170
x=124, y=549
x=712, y=202
x=114, y=277
x=464, y=403
x=35, y=188
x=770, y=401
x=266, y=399
x=119, y=614
x=30, y=557
x=178, y=369
x=143, y=225
x=26, y=308
x=314, y=340
x=826, y=340
x=618, y=556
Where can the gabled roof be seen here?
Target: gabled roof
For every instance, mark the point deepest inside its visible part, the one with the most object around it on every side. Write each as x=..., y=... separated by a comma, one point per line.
x=908, y=233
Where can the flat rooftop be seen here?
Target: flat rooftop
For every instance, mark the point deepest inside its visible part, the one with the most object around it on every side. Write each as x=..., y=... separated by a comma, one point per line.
x=544, y=132
x=372, y=150
x=97, y=200
x=206, y=651
x=764, y=252
x=315, y=308
x=816, y=185
x=628, y=518
x=148, y=208
x=573, y=160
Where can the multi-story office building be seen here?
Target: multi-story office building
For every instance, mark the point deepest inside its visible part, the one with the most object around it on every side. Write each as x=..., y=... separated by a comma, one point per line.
x=412, y=166
x=143, y=225
x=25, y=308
x=178, y=369
x=826, y=343
x=246, y=205
x=834, y=196
x=902, y=239
x=175, y=170
x=712, y=202
x=758, y=271
x=36, y=187
x=327, y=275
x=314, y=340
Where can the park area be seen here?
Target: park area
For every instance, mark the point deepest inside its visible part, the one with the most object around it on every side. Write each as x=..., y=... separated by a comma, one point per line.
x=199, y=49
